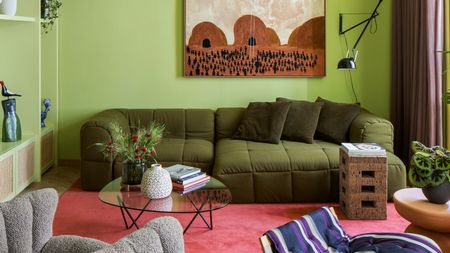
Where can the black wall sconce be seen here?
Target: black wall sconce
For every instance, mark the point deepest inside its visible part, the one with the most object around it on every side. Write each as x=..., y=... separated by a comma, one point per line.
x=349, y=61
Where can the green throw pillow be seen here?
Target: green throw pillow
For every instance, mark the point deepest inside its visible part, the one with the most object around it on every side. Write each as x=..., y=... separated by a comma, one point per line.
x=263, y=122
x=335, y=120
x=301, y=121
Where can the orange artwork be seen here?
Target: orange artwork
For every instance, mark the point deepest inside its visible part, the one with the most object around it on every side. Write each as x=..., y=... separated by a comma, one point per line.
x=254, y=38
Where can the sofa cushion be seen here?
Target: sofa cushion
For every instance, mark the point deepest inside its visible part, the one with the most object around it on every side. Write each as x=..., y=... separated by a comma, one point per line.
x=193, y=152
x=335, y=120
x=179, y=123
x=301, y=121
x=227, y=121
x=273, y=172
x=263, y=122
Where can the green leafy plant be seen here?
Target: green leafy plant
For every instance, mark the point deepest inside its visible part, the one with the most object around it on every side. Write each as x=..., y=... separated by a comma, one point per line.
x=429, y=166
x=49, y=19
x=136, y=147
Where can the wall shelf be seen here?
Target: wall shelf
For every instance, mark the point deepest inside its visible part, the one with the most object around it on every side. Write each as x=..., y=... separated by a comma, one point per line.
x=17, y=18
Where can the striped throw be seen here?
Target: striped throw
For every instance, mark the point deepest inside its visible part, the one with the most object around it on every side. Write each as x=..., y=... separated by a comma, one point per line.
x=321, y=232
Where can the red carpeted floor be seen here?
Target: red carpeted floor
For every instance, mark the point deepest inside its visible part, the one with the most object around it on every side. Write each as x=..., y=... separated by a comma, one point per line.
x=237, y=227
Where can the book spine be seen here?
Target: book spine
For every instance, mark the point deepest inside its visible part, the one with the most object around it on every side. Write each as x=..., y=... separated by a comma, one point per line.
x=180, y=177
x=181, y=186
x=190, y=180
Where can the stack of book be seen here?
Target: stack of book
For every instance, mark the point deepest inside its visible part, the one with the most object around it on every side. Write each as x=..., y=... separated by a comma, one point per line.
x=363, y=149
x=186, y=179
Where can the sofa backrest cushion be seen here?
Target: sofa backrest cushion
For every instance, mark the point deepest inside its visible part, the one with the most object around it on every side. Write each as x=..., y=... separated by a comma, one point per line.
x=335, y=120
x=227, y=121
x=180, y=123
x=263, y=122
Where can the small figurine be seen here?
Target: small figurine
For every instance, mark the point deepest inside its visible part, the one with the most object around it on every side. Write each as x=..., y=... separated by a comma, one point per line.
x=6, y=92
x=47, y=104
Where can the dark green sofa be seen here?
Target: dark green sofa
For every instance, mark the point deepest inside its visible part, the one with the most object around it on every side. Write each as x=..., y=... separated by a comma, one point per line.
x=293, y=171
x=255, y=172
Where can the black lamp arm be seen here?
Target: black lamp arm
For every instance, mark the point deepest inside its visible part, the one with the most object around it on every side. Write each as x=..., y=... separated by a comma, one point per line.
x=353, y=27
x=367, y=21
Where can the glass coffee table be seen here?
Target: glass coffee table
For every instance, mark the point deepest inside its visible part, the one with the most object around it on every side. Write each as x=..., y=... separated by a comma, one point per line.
x=214, y=195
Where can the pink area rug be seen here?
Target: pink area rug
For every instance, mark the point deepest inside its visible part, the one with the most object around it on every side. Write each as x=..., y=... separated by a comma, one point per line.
x=237, y=227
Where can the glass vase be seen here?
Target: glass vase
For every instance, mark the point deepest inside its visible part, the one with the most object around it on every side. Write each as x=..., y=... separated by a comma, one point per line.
x=132, y=172
x=11, y=130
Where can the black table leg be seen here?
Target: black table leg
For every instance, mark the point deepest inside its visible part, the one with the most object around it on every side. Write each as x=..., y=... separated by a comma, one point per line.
x=199, y=213
x=123, y=208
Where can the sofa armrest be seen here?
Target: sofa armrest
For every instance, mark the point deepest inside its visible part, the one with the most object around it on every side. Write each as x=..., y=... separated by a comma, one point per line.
x=97, y=129
x=367, y=127
x=96, y=170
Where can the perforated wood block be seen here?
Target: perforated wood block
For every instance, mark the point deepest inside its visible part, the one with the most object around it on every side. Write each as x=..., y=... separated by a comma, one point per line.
x=363, y=186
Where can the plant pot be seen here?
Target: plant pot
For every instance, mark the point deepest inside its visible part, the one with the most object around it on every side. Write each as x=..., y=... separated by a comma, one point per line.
x=156, y=182
x=438, y=194
x=132, y=172
x=45, y=11
x=8, y=7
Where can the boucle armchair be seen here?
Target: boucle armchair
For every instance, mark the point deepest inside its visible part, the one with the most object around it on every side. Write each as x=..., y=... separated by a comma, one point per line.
x=26, y=226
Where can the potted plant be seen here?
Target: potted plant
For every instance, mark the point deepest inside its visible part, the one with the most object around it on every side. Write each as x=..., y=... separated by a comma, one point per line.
x=135, y=149
x=430, y=170
x=49, y=13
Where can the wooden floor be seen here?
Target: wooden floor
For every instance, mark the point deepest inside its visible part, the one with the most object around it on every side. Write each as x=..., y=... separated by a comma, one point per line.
x=60, y=178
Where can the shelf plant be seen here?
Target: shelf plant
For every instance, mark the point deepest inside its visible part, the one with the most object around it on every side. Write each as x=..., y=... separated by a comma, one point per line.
x=49, y=13
x=430, y=170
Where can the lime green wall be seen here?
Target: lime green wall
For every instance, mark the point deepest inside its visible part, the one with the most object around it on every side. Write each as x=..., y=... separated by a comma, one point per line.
x=129, y=54
x=19, y=63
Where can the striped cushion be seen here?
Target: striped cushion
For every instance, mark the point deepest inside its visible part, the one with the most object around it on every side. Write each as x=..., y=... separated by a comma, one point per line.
x=393, y=242
x=320, y=232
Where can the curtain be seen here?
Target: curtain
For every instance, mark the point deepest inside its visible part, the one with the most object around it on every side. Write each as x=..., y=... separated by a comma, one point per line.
x=416, y=97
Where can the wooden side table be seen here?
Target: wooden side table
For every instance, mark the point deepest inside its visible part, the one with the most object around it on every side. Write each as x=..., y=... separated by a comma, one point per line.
x=363, y=186
x=431, y=220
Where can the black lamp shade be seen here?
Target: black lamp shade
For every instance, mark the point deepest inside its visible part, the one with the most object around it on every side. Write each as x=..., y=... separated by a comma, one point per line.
x=347, y=64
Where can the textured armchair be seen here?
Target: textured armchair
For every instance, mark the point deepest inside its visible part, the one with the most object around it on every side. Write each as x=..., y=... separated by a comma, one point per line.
x=26, y=226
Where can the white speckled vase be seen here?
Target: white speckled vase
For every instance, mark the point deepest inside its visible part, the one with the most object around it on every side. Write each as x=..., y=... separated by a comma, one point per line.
x=156, y=182
x=8, y=7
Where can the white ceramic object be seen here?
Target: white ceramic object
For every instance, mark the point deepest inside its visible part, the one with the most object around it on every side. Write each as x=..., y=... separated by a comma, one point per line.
x=156, y=182
x=8, y=7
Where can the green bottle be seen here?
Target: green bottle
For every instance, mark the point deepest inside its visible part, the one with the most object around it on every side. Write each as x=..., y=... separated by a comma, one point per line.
x=12, y=130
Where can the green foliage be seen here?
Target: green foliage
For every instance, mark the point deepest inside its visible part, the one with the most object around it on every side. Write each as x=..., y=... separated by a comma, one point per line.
x=53, y=14
x=137, y=146
x=429, y=166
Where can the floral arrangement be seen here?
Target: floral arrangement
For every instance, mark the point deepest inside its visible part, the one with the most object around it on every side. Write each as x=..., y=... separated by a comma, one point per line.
x=430, y=166
x=135, y=147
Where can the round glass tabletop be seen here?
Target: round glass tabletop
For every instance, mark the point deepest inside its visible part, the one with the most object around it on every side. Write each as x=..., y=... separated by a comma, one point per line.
x=214, y=195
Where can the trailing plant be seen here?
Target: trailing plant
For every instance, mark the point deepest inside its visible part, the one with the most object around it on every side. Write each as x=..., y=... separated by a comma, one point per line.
x=429, y=166
x=49, y=18
x=137, y=146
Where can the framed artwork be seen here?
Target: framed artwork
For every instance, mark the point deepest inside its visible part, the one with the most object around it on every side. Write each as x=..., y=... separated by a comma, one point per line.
x=254, y=38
